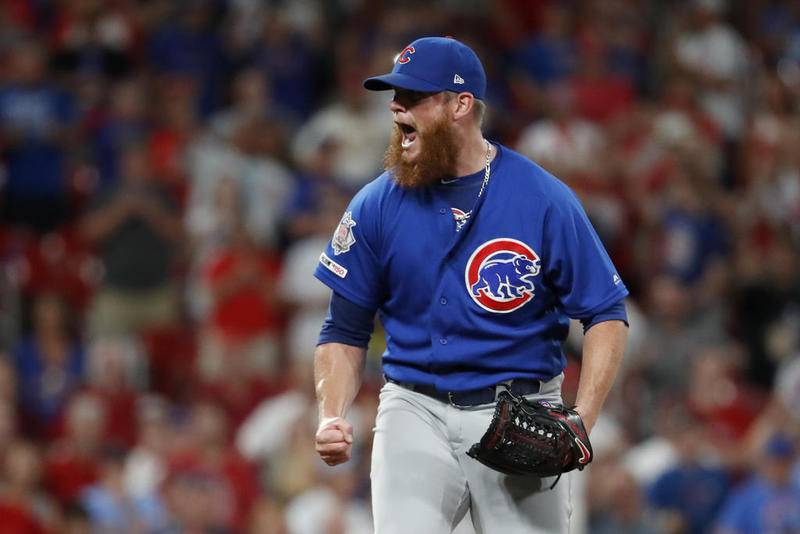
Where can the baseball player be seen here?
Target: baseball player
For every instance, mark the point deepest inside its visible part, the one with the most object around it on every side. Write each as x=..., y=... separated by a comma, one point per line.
x=475, y=259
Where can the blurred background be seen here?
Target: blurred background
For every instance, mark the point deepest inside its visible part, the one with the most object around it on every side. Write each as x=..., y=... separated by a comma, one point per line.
x=171, y=170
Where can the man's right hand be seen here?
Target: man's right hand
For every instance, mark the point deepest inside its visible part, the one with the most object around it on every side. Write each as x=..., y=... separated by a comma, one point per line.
x=334, y=440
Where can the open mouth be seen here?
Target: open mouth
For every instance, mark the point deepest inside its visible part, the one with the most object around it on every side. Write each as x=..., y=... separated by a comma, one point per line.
x=409, y=134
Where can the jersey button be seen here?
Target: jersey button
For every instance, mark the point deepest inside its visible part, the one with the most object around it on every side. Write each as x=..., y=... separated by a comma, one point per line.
x=442, y=301
x=443, y=211
x=443, y=341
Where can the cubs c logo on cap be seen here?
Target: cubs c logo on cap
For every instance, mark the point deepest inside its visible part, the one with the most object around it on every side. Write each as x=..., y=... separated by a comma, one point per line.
x=499, y=275
x=405, y=55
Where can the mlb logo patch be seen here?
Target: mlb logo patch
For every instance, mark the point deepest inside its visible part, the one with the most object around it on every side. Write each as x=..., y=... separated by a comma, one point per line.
x=343, y=237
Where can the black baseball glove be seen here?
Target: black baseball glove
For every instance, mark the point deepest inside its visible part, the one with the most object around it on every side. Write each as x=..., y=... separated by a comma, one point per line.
x=533, y=438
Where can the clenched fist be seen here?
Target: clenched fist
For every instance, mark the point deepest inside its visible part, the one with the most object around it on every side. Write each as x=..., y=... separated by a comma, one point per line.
x=334, y=440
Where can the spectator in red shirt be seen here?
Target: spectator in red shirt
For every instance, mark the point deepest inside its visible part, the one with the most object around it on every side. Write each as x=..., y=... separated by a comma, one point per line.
x=23, y=508
x=71, y=463
x=598, y=94
x=216, y=465
x=116, y=371
x=244, y=320
x=721, y=401
x=176, y=127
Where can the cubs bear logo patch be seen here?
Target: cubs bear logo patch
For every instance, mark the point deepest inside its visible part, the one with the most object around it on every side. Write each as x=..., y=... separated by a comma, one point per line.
x=343, y=237
x=499, y=275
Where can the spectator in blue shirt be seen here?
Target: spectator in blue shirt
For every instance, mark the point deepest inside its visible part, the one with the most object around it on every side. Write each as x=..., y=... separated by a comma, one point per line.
x=768, y=502
x=188, y=45
x=695, y=238
x=550, y=56
x=110, y=506
x=689, y=495
x=292, y=66
x=125, y=124
x=36, y=119
x=49, y=364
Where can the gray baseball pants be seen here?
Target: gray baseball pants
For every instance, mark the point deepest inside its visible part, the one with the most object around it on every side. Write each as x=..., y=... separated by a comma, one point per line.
x=423, y=482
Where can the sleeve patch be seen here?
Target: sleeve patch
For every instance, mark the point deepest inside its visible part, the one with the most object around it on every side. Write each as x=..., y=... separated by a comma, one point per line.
x=332, y=266
x=343, y=237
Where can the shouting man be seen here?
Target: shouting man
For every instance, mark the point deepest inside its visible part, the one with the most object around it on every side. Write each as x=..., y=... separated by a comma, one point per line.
x=475, y=259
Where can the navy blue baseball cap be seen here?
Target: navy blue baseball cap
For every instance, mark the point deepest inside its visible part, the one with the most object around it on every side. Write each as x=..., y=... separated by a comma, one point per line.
x=433, y=65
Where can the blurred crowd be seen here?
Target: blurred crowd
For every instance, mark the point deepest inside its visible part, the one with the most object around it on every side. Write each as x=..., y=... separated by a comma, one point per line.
x=171, y=170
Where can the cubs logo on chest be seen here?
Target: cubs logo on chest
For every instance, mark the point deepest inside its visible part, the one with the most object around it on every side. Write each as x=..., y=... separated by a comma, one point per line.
x=499, y=275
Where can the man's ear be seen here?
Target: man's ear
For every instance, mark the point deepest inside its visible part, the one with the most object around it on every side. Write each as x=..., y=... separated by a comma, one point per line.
x=463, y=105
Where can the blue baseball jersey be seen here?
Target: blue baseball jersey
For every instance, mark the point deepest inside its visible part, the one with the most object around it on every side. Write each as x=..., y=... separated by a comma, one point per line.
x=472, y=297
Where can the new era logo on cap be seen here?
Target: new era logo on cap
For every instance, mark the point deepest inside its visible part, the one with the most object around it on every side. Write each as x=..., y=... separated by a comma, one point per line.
x=458, y=79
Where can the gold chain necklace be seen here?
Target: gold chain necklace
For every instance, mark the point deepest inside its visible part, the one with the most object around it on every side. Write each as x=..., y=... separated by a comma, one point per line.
x=488, y=169
x=463, y=220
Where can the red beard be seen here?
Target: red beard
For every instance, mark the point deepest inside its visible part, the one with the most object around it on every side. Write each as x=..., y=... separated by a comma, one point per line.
x=436, y=161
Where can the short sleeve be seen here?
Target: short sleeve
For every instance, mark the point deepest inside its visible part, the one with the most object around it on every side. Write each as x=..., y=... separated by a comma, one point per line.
x=575, y=262
x=351, y=263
